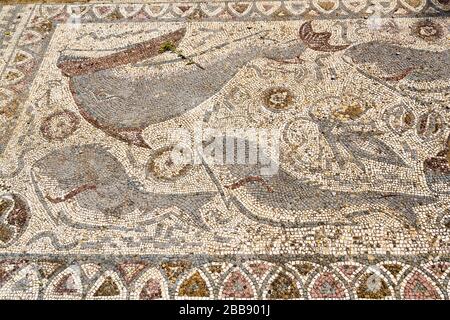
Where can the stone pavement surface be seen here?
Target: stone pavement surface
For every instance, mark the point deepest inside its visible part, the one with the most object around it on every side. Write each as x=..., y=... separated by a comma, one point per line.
x=117, y=179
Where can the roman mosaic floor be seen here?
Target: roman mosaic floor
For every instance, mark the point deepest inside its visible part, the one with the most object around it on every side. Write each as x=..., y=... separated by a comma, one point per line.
x=339, y=109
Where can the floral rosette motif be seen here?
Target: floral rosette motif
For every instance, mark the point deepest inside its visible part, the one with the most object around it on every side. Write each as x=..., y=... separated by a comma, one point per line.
x=60, y=125
x=14, y=216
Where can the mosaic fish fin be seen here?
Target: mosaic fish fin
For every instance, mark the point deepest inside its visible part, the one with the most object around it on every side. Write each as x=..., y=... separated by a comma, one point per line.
x=318, y=41
x=371, y=148
x=135, y=53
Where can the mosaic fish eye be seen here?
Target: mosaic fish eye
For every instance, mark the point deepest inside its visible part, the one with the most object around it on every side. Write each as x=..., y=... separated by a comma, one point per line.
x=102, y=96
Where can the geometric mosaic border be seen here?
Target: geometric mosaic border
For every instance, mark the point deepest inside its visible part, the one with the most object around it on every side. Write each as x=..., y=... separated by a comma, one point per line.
x=157, y=277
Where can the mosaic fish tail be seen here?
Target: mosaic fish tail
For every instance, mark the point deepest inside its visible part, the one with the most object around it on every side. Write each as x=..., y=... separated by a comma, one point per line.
x=404, y=204
x=184, y=207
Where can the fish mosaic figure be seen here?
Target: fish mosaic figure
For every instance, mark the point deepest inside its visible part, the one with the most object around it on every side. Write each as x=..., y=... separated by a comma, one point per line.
x=98, y=181
x=123, y=105
x=397, y=62
x=285, y=191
